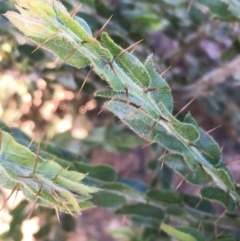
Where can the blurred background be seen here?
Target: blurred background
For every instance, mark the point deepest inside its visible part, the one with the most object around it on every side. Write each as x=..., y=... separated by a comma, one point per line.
x=198, y=40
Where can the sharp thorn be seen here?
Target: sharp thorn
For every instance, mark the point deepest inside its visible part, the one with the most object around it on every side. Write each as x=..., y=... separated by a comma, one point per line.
x=94, y=41
x=213, y=129
x=205, y=173
x=151, y=130
x=229, y=163
x=190, y=5
x=85, y=80
x=61, y=201
x=103, y=27
x=111, y=67
x=36, y=161
x=55, y=62
x=67, y=167
x=42, y=44
x=130, y=114
x=30, y=143
x=222, y=147
x=18, y=189
x=221, y=216
x=55, y=194
x=70, y=55
x=125, y=50
x=163, y=119
x=134, y=48
x=0, y=139
x=216, y=236
x=106, y=105
x=75, y=10
x=127, y=97
x=35, y=203
x=184, y=178
x=46, y=142
x=57, y=213
x=202, y=227
x=3, y=127
x=163, y=158
x=5, y=202
x=165, y=71
x=55, y=177
x=70, y=212
x=148, y=144
x=162, y=164
x=190, y=102
x=154, y=89
x=199, y=225
x=200, y=149
x=200, y=201
x=227, y=199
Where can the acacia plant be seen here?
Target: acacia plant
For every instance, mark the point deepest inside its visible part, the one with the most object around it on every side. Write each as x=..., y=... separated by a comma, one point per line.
x=141, y=99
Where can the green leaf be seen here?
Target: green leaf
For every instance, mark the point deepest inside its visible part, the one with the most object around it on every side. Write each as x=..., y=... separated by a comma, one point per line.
x=84, y=24
x=122, y=232
x=206, y=143
x=30, y=27
x=39, y=7
x=103, y=69
x=101, y=172
x=163, y=93
x=175, y=210
x=218, y=8
x=164, y=196
x=179, y=235
x=143, y=210
x=198, y=203
x=108, y=199
x=218, y=195
x=226, y=239
x=140, y=221
x=130, y=64
x=177, y=163
x=135, y=185
x=62, y=47
x=192, y=231
x=234, y=7
x=122, y=188
x=187, y=131
x=121, y=95
x=90, y=43
x=222, y=178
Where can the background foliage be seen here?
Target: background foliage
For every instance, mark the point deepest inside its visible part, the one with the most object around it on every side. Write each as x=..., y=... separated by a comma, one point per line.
x=199, y=39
